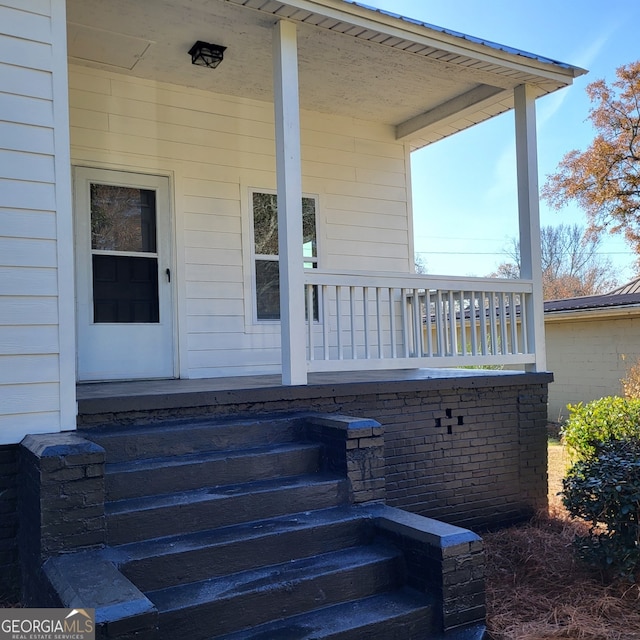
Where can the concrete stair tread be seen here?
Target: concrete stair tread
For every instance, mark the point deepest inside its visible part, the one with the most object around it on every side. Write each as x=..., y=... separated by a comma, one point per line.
x=276, y=579
x=204, y=456
x=254, y=530
x=205, y=494
x=179, y=437
x=402, y=611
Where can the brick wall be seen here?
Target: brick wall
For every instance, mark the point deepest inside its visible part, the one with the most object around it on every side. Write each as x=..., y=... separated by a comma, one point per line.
x=9, y=568
x=474, y=458
x=469, y=449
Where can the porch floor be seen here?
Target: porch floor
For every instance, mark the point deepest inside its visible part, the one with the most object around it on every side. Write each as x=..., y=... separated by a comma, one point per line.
x=149, y=395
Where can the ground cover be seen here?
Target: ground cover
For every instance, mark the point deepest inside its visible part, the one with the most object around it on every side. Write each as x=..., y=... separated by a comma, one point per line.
x=537, y=590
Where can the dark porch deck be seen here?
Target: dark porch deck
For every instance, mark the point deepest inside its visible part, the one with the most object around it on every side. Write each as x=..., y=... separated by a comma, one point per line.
x=96, y=399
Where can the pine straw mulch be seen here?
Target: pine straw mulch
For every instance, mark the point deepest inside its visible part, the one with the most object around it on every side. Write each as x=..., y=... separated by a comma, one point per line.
x=537, y=590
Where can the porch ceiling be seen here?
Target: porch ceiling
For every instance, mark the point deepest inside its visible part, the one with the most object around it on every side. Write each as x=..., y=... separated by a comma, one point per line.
x=354, y=62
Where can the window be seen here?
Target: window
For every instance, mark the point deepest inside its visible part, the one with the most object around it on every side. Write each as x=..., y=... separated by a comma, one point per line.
x=265, y=249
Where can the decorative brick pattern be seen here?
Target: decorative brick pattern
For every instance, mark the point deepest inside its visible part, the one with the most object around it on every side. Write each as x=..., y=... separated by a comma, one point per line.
x=9, y=566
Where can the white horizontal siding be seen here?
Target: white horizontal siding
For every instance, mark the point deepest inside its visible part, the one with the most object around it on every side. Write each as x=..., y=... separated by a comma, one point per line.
x=219, y=147
x=35, y=394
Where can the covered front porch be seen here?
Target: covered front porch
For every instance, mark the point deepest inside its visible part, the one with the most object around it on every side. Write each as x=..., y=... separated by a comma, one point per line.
x=344, y=94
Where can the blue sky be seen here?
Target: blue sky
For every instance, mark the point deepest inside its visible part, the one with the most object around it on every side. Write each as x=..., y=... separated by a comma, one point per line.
x=465, y=203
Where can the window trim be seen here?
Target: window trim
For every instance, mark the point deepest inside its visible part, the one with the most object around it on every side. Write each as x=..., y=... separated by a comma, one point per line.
x=268, y=257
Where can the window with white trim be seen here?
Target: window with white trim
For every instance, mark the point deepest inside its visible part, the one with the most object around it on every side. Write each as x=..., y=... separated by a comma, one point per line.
x=264, y=208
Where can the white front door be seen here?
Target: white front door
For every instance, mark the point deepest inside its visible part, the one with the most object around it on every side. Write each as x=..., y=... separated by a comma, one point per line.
x=123, y=276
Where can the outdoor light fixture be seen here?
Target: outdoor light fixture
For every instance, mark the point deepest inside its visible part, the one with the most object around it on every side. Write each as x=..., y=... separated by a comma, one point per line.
x=204, y=54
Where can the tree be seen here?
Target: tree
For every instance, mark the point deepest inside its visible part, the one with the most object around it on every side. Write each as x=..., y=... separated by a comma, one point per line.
x=604, y=180
x=571, y=265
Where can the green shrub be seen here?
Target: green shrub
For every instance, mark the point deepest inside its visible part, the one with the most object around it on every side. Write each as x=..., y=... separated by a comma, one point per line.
x=604, y=490
x=609, y=418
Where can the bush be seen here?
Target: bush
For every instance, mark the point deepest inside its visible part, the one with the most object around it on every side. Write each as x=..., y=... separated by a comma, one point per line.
x=591, y=424
x=604, y=490
x=631, y=384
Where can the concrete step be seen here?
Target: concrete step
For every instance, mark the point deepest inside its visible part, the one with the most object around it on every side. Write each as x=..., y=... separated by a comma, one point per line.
x=157, y=564
x=176, y=438
x=242, y=600
x=151, y=476
x=135, y=519
x=403, y=614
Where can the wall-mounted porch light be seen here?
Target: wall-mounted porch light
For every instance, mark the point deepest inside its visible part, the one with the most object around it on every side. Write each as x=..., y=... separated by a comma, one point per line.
x=204, y=54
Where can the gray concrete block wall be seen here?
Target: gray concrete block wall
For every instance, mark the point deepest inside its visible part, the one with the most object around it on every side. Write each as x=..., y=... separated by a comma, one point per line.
x=9, y=564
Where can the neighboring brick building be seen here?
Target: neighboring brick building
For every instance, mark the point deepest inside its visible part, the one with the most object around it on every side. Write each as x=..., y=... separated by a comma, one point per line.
x=591, y=343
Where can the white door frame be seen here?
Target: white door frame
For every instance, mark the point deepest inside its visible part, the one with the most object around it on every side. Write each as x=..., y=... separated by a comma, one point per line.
x=124, y=351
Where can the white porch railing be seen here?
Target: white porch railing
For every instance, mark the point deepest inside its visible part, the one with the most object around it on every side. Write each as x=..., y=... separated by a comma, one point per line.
x=382, y=321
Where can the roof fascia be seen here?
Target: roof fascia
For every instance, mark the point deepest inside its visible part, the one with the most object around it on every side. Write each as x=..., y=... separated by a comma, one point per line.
x=578, y=315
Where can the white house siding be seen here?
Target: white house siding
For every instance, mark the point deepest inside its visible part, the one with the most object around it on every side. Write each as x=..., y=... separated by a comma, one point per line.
x=37, y=378
x=215, y=149
x=588, y=359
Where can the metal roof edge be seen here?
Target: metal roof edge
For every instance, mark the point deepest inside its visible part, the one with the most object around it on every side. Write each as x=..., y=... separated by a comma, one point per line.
x=457, y=35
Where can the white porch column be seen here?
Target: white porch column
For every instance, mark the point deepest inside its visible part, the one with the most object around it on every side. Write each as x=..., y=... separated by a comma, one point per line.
x=289, y=177
x=529, y=216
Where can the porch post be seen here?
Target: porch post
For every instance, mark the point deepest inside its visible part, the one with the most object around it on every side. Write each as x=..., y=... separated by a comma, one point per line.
x=529, y=216
x=289, y=179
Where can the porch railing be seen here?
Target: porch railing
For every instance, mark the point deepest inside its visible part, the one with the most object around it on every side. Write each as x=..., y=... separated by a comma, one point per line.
x=369, y=321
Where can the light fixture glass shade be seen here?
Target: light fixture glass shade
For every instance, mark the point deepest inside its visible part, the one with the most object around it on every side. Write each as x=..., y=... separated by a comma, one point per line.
x=208, y=55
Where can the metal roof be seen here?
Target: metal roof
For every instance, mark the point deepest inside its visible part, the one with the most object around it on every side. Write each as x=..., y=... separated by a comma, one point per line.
x=630, y=287
x=464, y=36
x=591, y=303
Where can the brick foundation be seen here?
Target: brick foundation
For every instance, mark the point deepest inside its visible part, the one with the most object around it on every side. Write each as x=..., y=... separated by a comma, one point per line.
x=61, y=503
x=467, y=449
x=9, y=565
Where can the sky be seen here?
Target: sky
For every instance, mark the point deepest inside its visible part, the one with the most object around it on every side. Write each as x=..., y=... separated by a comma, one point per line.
x=465, y=202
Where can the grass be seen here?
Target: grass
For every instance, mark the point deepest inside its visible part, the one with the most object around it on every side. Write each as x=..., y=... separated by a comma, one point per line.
x=537, y=590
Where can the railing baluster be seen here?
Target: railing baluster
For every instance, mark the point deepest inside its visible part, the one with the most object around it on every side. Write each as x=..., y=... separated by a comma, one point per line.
x=441, y=351
x=513, y=319
x=463, y=326
x=452, y=325
x=503, y=324
x=379, y=322
x=492, y=322
x=429, y=324
x=352, y=312
x=417, y=324
x=524, y=323
x=483, y=323
x=325, y=320
x=473, y=323
x=365, y=304
x=310, y=320
x=392, y=320
x=405, y=322
x=339, y=321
